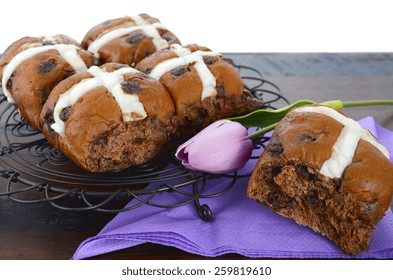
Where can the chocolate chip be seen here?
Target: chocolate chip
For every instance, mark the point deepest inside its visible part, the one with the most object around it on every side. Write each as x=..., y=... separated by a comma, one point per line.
x=47, y=43
x=44, y=93
x=220, y=88
x=303, y=173
x=275, y=170
x=70, y=73
x=47, y=66
x=274, y=148
x=273, y=198
x=167, y=38
x=131, y=87
x=274, y=195
x=107, y=22
x=138, y=141
x=48, y=117
x=309, y=138
x=178, y=71
x=369, y=207
x=101, y=139
x=135, y=37
x=312, y=200
x=209, y=60
x=147, y=53
x=49, y=120
x=337, y=184
x=65, y=113
x=10, y=82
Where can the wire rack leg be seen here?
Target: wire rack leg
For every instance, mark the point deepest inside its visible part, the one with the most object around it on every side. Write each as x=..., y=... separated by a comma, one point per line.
x=204, y=211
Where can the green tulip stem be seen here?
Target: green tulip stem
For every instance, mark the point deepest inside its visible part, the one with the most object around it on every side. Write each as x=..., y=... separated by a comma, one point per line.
x=338, y=104
x=272, y=117
x=262, y=131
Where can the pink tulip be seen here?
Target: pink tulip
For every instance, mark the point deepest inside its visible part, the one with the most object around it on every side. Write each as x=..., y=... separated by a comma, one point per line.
x=220, y=148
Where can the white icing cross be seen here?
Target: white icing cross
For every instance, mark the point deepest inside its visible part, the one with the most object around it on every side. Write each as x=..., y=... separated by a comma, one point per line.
x=140, y=24
x=139, y=20
x=68, y=52
x=346, y=144
x=130, y=105
x=185, y=56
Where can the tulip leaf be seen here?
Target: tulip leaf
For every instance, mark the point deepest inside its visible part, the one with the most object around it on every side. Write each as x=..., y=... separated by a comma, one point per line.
x=269, y=118
x=264, y=118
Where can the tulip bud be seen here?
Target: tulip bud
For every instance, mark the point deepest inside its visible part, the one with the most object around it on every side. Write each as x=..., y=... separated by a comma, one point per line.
x=220, y=148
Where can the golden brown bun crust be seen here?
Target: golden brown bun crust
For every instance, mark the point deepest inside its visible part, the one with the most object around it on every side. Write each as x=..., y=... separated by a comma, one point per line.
x=97, y=139
x=109, y=25
x=185, y=87
x=287, y=180
x=33, y=80
x=25, y=43
x=130, y=48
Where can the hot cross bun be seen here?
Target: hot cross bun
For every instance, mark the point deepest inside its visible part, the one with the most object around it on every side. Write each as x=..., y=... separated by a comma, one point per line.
x=109, y=118
x=203, y=86
x=32, y=66
x=326, y=172
x=128, y=39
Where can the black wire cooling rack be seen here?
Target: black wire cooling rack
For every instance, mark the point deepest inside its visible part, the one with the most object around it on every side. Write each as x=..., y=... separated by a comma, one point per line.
x=35, y=172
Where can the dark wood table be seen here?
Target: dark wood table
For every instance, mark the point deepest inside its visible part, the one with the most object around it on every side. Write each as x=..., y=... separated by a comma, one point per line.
x=40, y=231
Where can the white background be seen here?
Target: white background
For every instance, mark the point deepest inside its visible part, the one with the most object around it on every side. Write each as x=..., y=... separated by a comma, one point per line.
x=224, y=26
x=281, y=269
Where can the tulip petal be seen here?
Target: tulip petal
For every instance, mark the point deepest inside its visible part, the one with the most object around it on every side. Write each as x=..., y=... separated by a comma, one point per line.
x=183, y=156
x=206, y=130
x=182, y=150
x=223, y=149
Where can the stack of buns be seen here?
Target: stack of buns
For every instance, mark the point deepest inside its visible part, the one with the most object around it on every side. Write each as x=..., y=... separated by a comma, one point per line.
x=124, y=95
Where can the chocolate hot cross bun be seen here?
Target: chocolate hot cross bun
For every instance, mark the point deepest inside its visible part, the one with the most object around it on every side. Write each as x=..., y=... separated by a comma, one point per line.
x=203, y=86
x=32, y=66
x=128, y=39
x=326, y=172
x=108, y=118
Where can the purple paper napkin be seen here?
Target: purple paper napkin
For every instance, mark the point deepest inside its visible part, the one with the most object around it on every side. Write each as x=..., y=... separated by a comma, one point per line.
x=240, y=225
